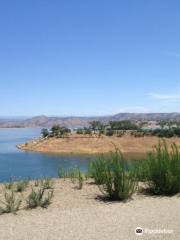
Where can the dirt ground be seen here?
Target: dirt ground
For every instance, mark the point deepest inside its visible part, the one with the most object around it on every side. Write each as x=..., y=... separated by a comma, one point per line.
x=85, y=214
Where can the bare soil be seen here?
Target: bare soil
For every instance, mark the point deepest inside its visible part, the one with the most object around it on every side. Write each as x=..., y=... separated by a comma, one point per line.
x=86, y=214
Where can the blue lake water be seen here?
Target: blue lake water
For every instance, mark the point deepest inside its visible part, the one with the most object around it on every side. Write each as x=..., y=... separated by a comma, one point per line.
x=23, y=164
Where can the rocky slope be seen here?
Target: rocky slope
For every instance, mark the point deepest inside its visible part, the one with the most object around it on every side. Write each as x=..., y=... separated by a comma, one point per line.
x=43, y=121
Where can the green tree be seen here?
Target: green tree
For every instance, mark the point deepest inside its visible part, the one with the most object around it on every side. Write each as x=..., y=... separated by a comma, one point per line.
x=45, y=132
x=101, y=126
x=162, y=124
x=94, y=125
x=112, y=124
x=55, y=128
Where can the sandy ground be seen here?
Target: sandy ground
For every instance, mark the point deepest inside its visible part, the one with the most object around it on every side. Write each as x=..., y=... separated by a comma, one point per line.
x=77, y=144
x=85, y=215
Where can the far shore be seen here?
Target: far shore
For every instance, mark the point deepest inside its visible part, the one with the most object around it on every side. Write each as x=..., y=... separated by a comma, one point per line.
x=10, y=128
x=75, y=144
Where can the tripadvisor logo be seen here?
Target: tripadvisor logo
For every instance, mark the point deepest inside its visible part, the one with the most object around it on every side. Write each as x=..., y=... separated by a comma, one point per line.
x=139, y=231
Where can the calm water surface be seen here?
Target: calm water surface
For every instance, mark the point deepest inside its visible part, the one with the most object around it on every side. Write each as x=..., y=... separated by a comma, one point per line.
x=27, y=164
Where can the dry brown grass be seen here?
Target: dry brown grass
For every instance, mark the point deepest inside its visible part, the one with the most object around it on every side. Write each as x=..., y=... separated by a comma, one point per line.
x=75, y=144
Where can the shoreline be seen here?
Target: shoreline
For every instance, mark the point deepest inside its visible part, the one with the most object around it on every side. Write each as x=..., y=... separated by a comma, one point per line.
x=93, y=145
x=10, y=128
x=127, y=155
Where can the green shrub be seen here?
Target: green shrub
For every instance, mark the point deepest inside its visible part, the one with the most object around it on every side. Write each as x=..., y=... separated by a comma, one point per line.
x=80, y=131
x=37, y=183
x=163, y=133
x=45, y=132
x=164, y=169
x=72, y=173
x=141, y=169
x=87, y=175
x=118, y=183
x=87, y=131
x=60, y=172
x=47, y=183
x=177, y=132
x=101, y=131
x=9, y=185
x=68, y=173
x=21, y=185
x=12, y=204
x=37, y=198
x=97, y=170
x=109, y=133
x=80, y=179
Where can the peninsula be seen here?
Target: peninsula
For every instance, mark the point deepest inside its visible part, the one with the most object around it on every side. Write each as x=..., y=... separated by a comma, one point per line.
x=77, y=144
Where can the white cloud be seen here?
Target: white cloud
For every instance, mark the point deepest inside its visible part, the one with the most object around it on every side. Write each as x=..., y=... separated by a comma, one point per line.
x=164, y=96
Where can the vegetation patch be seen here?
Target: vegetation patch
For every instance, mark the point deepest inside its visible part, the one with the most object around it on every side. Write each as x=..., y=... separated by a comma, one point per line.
x=114, y=176
x=164, y=169
x=11, y=203
x=37, y=198
x=21, y=185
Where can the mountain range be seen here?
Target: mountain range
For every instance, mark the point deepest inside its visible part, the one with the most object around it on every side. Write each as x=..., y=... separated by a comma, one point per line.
x=47, y=122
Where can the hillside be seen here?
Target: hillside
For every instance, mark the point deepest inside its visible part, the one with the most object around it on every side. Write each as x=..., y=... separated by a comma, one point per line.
x=43, y=121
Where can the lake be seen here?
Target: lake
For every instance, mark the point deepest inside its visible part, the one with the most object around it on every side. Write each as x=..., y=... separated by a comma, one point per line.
x=25, y=164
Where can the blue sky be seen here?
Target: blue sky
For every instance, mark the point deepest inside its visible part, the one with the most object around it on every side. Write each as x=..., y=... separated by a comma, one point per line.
x=84, y=58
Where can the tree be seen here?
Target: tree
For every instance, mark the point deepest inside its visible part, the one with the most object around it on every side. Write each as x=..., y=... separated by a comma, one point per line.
x=175, y=123
x=112, y=124
x=123, y=125
x=55, y=128
x=64, y=130
x=45, y=132
x=101, y=126
x=94, y=125
x=162, y=124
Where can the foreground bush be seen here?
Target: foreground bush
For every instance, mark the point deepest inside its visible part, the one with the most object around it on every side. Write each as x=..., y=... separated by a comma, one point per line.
x=71, y=173
x=141, y=169
x=80, y=131
x=9, y=185
x=74, y=174
x=164, y=169
x=21, y=185
x=47, y=183
x=117, y=182
x=80, y=179
x=97, y=170
x=110, y=133
x=37, y=198
x=11, y=203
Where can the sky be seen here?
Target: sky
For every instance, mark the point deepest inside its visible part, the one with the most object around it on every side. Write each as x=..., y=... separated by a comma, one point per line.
x=89, y=58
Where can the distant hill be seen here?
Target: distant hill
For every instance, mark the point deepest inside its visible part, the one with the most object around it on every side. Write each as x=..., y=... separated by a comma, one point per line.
x=47, y=122
x=145, y=117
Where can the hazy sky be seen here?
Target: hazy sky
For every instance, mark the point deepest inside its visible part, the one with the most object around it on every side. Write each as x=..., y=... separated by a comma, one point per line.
x=96, y=57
